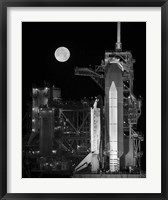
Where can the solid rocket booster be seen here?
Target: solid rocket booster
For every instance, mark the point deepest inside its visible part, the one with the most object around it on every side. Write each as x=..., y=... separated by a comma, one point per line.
x=113, y=128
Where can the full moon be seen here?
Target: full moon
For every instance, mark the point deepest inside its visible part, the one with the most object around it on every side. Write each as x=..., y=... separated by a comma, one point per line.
x=62, y=54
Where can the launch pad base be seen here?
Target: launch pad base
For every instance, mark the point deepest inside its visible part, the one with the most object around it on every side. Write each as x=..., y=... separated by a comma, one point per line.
x=109, y=176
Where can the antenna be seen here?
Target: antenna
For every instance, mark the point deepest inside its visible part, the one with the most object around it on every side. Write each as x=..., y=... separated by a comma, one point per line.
x=118, y=43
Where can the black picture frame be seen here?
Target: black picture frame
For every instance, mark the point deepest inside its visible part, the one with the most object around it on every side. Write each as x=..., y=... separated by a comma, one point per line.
x=4, y=4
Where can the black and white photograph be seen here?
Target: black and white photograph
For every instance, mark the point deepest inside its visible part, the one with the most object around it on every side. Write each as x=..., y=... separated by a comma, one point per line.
x=84, y=99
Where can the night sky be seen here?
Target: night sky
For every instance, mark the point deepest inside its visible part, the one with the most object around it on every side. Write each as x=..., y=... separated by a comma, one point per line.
x=87, y=42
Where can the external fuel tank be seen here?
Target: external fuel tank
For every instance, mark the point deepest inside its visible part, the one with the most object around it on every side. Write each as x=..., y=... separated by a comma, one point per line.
x=114, y=114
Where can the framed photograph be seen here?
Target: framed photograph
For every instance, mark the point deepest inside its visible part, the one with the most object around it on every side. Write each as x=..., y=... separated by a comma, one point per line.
x=83, y=97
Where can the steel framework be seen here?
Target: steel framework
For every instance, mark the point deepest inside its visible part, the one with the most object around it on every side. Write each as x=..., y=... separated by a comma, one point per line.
x=131, y=104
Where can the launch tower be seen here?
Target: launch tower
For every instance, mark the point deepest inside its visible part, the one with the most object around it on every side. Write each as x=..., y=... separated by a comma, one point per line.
x=115, y=76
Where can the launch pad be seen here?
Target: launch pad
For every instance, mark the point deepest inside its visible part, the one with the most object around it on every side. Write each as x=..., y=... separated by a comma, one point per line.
x=128, y=175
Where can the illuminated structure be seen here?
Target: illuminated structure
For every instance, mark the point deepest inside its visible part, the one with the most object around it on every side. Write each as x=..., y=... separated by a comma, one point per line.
x=115, y=75
x=46, y=120
x=60, y=132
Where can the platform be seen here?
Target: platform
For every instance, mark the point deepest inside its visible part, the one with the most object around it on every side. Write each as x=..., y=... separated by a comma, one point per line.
x=109, y=176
